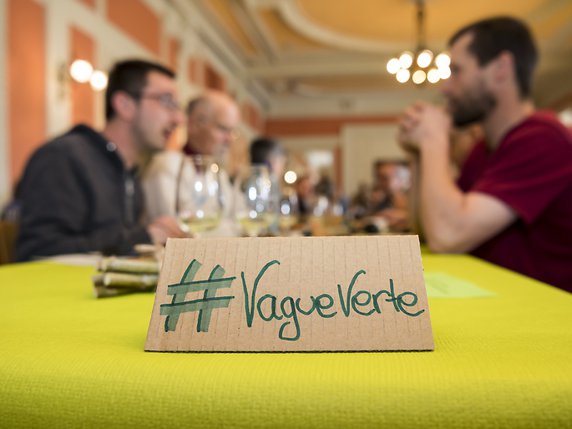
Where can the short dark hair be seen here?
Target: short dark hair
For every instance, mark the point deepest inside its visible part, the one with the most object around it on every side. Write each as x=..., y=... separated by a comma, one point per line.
x=263, y=148
x=494, y=35
x=130, y=76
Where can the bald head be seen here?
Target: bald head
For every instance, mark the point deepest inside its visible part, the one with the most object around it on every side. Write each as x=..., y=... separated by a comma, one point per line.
x=212, y=120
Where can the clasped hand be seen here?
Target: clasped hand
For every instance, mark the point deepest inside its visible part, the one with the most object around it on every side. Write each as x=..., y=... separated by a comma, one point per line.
x=423, y=125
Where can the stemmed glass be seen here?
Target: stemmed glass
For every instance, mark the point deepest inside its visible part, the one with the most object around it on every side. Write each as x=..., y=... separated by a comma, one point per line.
x=199, y=196
x=256, y=211
x=289, y=213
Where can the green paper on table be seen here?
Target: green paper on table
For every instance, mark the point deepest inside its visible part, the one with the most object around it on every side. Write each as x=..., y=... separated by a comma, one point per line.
x=441, y=285
x=121, y=275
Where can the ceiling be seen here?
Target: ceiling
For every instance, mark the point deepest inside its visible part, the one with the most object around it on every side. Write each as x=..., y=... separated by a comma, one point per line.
x=327, y=48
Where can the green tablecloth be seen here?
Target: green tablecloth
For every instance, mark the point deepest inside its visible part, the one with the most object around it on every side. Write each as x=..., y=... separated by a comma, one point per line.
x=69, y=360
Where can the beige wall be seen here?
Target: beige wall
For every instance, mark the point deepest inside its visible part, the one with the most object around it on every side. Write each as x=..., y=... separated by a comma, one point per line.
x=361, y=146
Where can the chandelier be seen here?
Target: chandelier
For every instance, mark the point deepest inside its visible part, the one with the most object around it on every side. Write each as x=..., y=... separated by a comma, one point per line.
x=421, y=65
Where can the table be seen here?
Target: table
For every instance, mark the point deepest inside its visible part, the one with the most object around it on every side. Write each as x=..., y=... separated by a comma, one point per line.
x=69, y=360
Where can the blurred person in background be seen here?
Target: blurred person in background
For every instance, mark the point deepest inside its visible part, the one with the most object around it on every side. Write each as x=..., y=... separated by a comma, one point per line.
x=360, y=201
x=511, y=204
x=212, y=122
x=305, y=196
x=325, y=186
x=269, y=152
x=81, y=191
x=388, y=197
x=389, y=179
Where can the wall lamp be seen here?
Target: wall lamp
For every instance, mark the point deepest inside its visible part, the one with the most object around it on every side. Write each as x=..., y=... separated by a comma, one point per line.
x=80, y=71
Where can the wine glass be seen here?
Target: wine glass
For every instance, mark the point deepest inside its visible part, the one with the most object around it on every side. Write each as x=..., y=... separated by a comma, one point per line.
x=289, y=213
x=256, y=212
x=199, y=196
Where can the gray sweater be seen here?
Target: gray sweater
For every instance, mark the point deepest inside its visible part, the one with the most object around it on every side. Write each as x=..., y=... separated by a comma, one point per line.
x=76, y=196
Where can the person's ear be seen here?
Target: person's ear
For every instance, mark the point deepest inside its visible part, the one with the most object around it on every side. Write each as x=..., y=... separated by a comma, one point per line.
x=504, y=67
x=125, y=105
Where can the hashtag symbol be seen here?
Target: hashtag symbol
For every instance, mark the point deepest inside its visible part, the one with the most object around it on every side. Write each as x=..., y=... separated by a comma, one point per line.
x=204, y=305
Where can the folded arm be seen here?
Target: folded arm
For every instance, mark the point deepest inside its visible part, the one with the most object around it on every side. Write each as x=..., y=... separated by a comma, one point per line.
x=452, y=221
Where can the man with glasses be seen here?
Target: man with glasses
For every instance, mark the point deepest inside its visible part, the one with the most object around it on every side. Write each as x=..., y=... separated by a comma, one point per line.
x=212, y=121
x=81, y=192
x=512, y=204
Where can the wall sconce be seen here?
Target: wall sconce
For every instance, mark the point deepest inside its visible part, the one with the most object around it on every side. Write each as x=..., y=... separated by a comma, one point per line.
x=98, y=80
x=82, y=71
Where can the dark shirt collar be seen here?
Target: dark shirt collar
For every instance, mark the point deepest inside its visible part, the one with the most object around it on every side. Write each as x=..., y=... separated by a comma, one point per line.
x=188, y=150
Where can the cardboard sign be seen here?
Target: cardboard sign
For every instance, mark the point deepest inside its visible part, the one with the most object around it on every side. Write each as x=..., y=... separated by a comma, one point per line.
x=291, y=294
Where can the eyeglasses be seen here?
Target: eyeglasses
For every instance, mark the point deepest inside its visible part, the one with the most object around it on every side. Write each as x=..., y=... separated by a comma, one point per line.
x=166, y=100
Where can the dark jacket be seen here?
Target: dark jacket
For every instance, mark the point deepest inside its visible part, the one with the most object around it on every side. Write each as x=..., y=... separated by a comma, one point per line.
x=76, y=196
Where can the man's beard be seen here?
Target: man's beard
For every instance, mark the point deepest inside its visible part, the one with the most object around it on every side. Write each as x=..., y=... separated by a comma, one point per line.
x=473, y=108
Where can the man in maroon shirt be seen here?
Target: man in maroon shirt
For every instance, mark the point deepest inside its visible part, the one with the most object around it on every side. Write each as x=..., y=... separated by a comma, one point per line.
x=512, y=204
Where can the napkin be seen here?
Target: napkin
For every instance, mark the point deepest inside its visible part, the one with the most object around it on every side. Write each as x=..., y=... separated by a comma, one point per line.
x=122, y=275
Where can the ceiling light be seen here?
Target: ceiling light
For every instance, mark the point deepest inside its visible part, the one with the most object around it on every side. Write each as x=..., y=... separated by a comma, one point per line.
x=419, y=77
x=443, y=60
x=402, y=75
x=424, y=58
x=405, y=60
x=433, y=75
x=393, y=66
x=444, y=73
x=421, y=60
